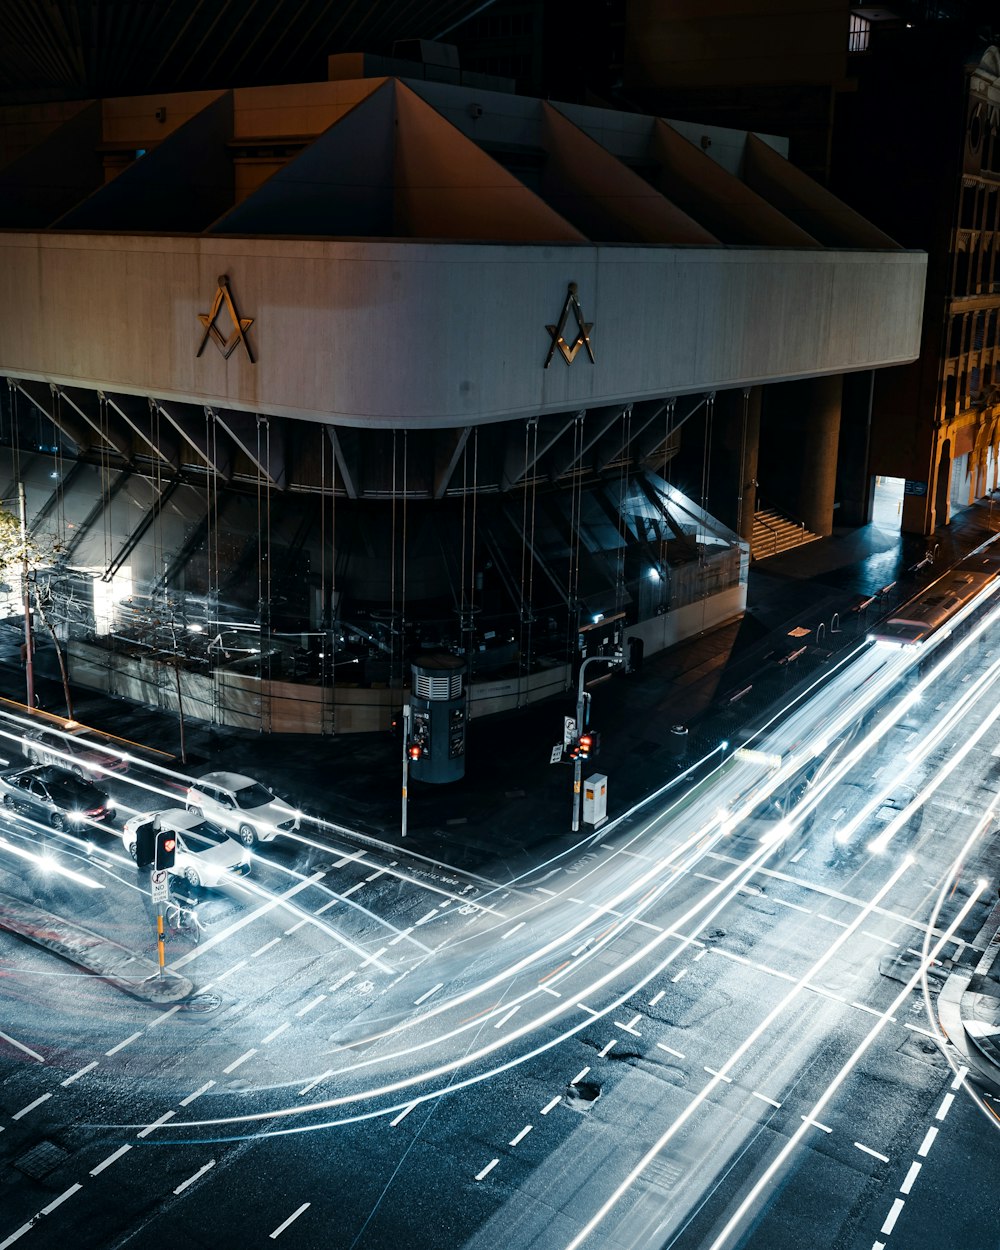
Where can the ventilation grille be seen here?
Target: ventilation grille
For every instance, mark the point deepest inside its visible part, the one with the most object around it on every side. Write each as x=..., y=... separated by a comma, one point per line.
x=448, y=686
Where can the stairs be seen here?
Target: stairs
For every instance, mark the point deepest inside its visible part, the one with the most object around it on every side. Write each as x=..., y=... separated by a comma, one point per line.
x=774, y=533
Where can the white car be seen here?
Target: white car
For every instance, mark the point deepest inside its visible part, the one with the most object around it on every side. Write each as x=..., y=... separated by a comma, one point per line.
x=205, y=855
x=75, y=749
x=243, y=806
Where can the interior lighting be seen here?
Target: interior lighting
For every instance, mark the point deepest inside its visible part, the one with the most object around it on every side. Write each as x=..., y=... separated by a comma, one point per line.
x=654, y=575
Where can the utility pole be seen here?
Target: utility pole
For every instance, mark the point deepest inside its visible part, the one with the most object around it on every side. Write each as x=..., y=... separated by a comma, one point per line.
x=29, y=666
x=406, y=758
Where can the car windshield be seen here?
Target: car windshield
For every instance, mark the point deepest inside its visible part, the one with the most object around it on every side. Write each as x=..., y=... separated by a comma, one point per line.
x=253, y=795
x=204, y=835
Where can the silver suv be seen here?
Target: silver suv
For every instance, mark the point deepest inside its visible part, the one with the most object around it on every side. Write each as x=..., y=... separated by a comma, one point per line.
x=243, y=806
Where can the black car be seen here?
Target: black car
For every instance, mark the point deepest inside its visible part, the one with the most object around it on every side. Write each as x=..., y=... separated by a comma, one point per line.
x=54, y=796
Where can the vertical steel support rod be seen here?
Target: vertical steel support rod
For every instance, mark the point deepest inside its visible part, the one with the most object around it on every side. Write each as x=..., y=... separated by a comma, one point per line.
x=29, y=664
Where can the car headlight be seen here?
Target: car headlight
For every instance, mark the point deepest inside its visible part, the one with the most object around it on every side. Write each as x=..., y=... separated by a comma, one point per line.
x=245, y=857
x=109, y=804
x=77, y=816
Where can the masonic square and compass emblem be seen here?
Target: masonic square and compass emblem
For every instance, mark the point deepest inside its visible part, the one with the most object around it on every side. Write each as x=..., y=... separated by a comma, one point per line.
x=240, y=324
x=558, y=332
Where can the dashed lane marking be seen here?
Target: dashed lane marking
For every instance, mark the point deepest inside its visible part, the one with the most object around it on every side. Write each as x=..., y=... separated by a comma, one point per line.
x=877, y=937
x=348, y=859
x=511, y=932
x=402, y=1114
x=342, y=981
x=266, y=947
x=166, y=1016
x=764, y=1098
x=589, y=1010
x=683, y=973
x=783, y=902
x=516, y=1141
x=56, y=1202
x=427, y=916
x=504, y=1018
x=318, y=1081
x=816, y=1124
x=670, y=1050
x=917, y=1029
x=630, y=1027
x=402, y=935
x=121, y=1045
x=21, y=1046
x=554, y=1102
x=266, y=1041
x=874, y=1153
x=656, y=997
x=374, y=957
x=716, y=1073
x=191, y=1179
x=579, y=1076
x=167, y=1115
x=928, y=1141
x=481, y=1176
x=358, y=885
x=911, y=1176
x=291, y=1220
x=229, y=971
x=186, y=1102
x=960, y=1076
x=112, y=1158
x=82, y=1072
x=310, y=1005
x=892, y=1217
x=427, y=993
x=945, y=1107
x=31, y=1106
x=247, y=1054
x=603, y=1053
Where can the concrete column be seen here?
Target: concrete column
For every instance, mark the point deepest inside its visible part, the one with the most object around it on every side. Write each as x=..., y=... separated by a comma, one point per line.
x=800, y=430
x=855, y=481
x=736, y=444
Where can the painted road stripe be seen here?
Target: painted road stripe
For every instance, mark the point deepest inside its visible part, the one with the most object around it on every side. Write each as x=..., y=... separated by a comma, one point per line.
x=166, y=1016
x=349, y=859
x=31, y=1106
x=656, y=997
x=960, y=1076
x=167, y=1115
x=945, y=1107
x=112, y=1158
x=121, y=1045
x=917, y=1029
x=603, y=1053
x=21, y=1046
x=266, y=1041
x=504, y=1018
x=816, y=1124
x=83, y=1072
x=343, y=981
x=229, y=971
x=402, y=935
x=326, y=906
x=911, y=1176
x=358, y=885
x=17, y=1235
x=553, y=1103
x=783, y=902
x=320, y=998
x=481, y=1176
x=511, y=932
x=892, y=1217
x=713, y=1072
x=683, y=973
x=427, y=993
x=584, y=1007
x=203, y=947
x=191, y=1179
x=291, y=1220
x=312, y=1084
x=427, y=916
x=874, y=1153
x=247, y=1054
x=877, y=937
x=670, y=1050
x=928, y=1141
x=186, y=1102
x=373, y=958
x=540, y=889
x=402, y=1114
x=67, y=1193
x=579, y=1076
x=516, y=1141
x=266, y=947
x=298, y=925
x=630, y=1027
x=764, y=1098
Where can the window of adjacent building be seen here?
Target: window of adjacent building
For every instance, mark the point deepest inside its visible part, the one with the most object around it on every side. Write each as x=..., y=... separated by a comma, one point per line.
x=859, y=34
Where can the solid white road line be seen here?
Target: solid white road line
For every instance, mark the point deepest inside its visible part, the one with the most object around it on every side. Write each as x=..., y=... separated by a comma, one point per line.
x=480, y=1176
x=764, y=1098
x=309, y=1006
x=402, y=1114
x=291, y=1220
x=427, y=993
x=670, y=1050
x=874, y=1153
x=82, y=1072
x=960, y=1076
x=112, y=1158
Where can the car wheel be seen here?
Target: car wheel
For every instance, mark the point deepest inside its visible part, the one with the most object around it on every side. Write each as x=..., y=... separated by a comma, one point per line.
x=133, y=849
x=248, y=835
x=31, y=755
x=77, y=771
x=57, y=820
x=192, y=878
x=8, y=802
x=193, y=808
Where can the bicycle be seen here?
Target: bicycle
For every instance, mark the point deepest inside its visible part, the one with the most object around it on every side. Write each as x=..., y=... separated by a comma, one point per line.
x=181, y=920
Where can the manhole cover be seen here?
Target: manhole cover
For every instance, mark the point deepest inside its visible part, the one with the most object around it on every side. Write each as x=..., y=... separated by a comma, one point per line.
x=200, y=1004
x=42, y=1159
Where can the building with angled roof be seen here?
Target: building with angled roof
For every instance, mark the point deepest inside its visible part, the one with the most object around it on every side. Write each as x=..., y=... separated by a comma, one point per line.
x=304, y=379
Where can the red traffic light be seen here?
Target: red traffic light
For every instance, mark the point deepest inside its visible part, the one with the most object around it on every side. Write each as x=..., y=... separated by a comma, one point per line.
x=414, y=752
x=169, y=844
x=586, y=743
x=165, y=850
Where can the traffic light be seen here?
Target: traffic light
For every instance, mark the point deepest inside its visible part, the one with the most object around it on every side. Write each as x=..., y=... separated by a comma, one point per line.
x=595, y=743
x=166, y=849
x=586, y=743
x=145, y=845
x=414, y=751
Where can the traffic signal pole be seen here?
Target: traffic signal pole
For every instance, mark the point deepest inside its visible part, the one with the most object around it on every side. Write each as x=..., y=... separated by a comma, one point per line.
x=582, y=708
x=160, y=952
x=406, y=758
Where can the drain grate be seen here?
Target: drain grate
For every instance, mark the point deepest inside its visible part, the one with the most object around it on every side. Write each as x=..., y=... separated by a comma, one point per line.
x=42, y=1159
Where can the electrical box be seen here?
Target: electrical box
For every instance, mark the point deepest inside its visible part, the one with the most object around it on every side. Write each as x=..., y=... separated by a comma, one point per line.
x=437, y=700
x=595, y=800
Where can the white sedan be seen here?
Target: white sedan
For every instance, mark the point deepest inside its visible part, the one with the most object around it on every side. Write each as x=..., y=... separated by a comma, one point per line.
x=206, y=855
x=243, y=806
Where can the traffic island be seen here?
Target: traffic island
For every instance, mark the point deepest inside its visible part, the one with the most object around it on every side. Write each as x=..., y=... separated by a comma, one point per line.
x=106, y=959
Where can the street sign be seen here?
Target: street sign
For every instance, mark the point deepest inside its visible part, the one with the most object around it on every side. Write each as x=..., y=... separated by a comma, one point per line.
x=557, y=753
x=158, y=885
x=569, y=730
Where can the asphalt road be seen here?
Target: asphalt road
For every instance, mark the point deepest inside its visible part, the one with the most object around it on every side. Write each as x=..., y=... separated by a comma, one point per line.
x=704, y=1026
